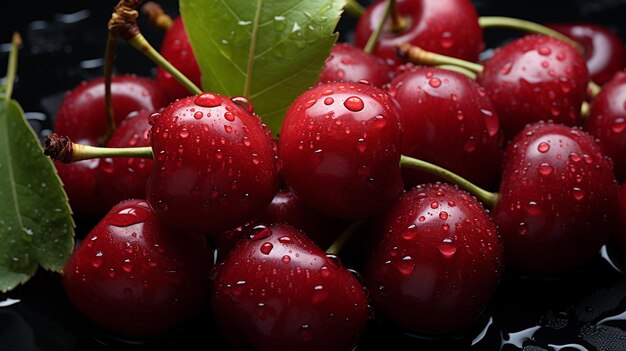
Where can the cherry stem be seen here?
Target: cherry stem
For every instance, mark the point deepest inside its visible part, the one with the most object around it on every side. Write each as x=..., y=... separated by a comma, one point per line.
x=399, y=23
x=354, y=8
x=126, y=27
x=464, y=71
x=156, y=16
x=527, y=26
x=373, y=39
x=420, y=56
x=487, y=197
x=594, y=89
x=16, y=42
x=109, y=57
x=584, y=110
x=344, y=237
x=61, y=148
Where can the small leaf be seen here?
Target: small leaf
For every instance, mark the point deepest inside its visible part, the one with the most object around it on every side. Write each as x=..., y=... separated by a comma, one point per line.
x=269, y=51
x=36, y=225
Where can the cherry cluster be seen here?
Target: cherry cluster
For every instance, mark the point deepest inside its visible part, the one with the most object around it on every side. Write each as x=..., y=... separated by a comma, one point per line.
x=441, y=168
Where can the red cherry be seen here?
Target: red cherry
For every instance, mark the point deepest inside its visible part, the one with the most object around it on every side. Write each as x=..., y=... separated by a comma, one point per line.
x=349, y=63
x=436, y=258
x=120, y=179
x=132, y=277
x=607, y=121
x=449, y=121
x=278, y=291
x=214, y=164
x=535, y=78
x=604, y=49
x=177, y=50
x=558, y=201
x=340, y=149
x=448, y=27
x=81, y=117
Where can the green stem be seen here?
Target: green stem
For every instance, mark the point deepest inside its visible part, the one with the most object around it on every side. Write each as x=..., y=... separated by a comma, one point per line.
x=594, y=89
x=584, y=111
x=354, y=8
x=373, y=39
x=420, y=56
x=486, y=197
x=464, y=71
x=398, y=22
x=139, y=42
x=61, y=148
x=527, y=26
x=109, y=57
x=16, y=42
x=345, y=236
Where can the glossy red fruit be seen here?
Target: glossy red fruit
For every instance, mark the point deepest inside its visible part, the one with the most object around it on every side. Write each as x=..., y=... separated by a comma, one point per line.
x=215, y=164
x=120, y=179
x=340, y=149
x=558, y=201
x=278, y=291
x=177, y=50
x=604, y=49
x=81, y=116
x=448, y=27
x=131, y=277
x=535, y=78
x=607, y=121
x=349, y=63
x=435, y=261
x=449, y=121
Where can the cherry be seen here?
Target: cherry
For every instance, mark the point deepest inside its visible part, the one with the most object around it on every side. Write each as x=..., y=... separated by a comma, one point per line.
x=450, y=121
x=448, y=27
x=349, y=63
x=278, y=291
x=119, y=179
x=607, y=121
x=81, y=116
x=604, y=49
x=434, y=261
x=558, y=201
x=535, y=78
x=215, y=164
x=132, y=277
x=340, y=148
x=176, y=49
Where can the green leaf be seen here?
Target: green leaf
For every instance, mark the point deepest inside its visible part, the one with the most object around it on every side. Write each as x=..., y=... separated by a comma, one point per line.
x=36, y=225
x=269, y=51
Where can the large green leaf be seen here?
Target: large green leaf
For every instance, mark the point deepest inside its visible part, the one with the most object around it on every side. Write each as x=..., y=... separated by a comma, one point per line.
x=267, y=50
x=36, y=225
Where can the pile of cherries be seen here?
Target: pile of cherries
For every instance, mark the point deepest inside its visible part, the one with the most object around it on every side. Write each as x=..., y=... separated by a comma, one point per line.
x=434, y=179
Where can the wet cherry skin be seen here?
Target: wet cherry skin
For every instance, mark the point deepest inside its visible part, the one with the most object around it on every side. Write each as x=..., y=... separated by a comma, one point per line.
x=604, y=49
x=132, y=277
x=349, y=63
x=215, y=164
x=535, y=78
x=435, y=260
x=81, y=117
x=449, y=121
x=448, y=27
x=278, y=291
x=120, y=179
x=607, y=121
x=558, y=201
x=177, y=50
x=340, y=149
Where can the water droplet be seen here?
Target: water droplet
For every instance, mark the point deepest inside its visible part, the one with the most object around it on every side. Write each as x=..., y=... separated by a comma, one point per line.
x=310, y=103
x=244, y=103
x=207, y=100
x=443, y=215
x=325, y=272
x=286, y=259
x=285, y=240
x=618, y=126
x=184, y=133
x=96, y=262
x=127, y=265
x=361, y=145
x=410, y=232
x=198, y=115
x=543, y=147
x=470, y=145
x=259, y=232
x=266, y=248
x=435, y=82
x=523, y=228
x=447, y=247
x=354, y=104
x=545, y=169
x=506, y=69
x=434, y=205
x=319, y=294
x=306, y=332
x=578, y=193
x=328, y=100
x=446, y=40
x=533, y=208
x=229, y=116
x=544, y=51
x=406, y=265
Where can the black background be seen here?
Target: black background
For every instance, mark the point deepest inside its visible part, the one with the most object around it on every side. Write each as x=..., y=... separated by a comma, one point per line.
x=63, y=43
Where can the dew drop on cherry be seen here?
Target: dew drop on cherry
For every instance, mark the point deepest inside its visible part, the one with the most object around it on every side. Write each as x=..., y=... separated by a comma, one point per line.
x=354, y=104
x=207, y=100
